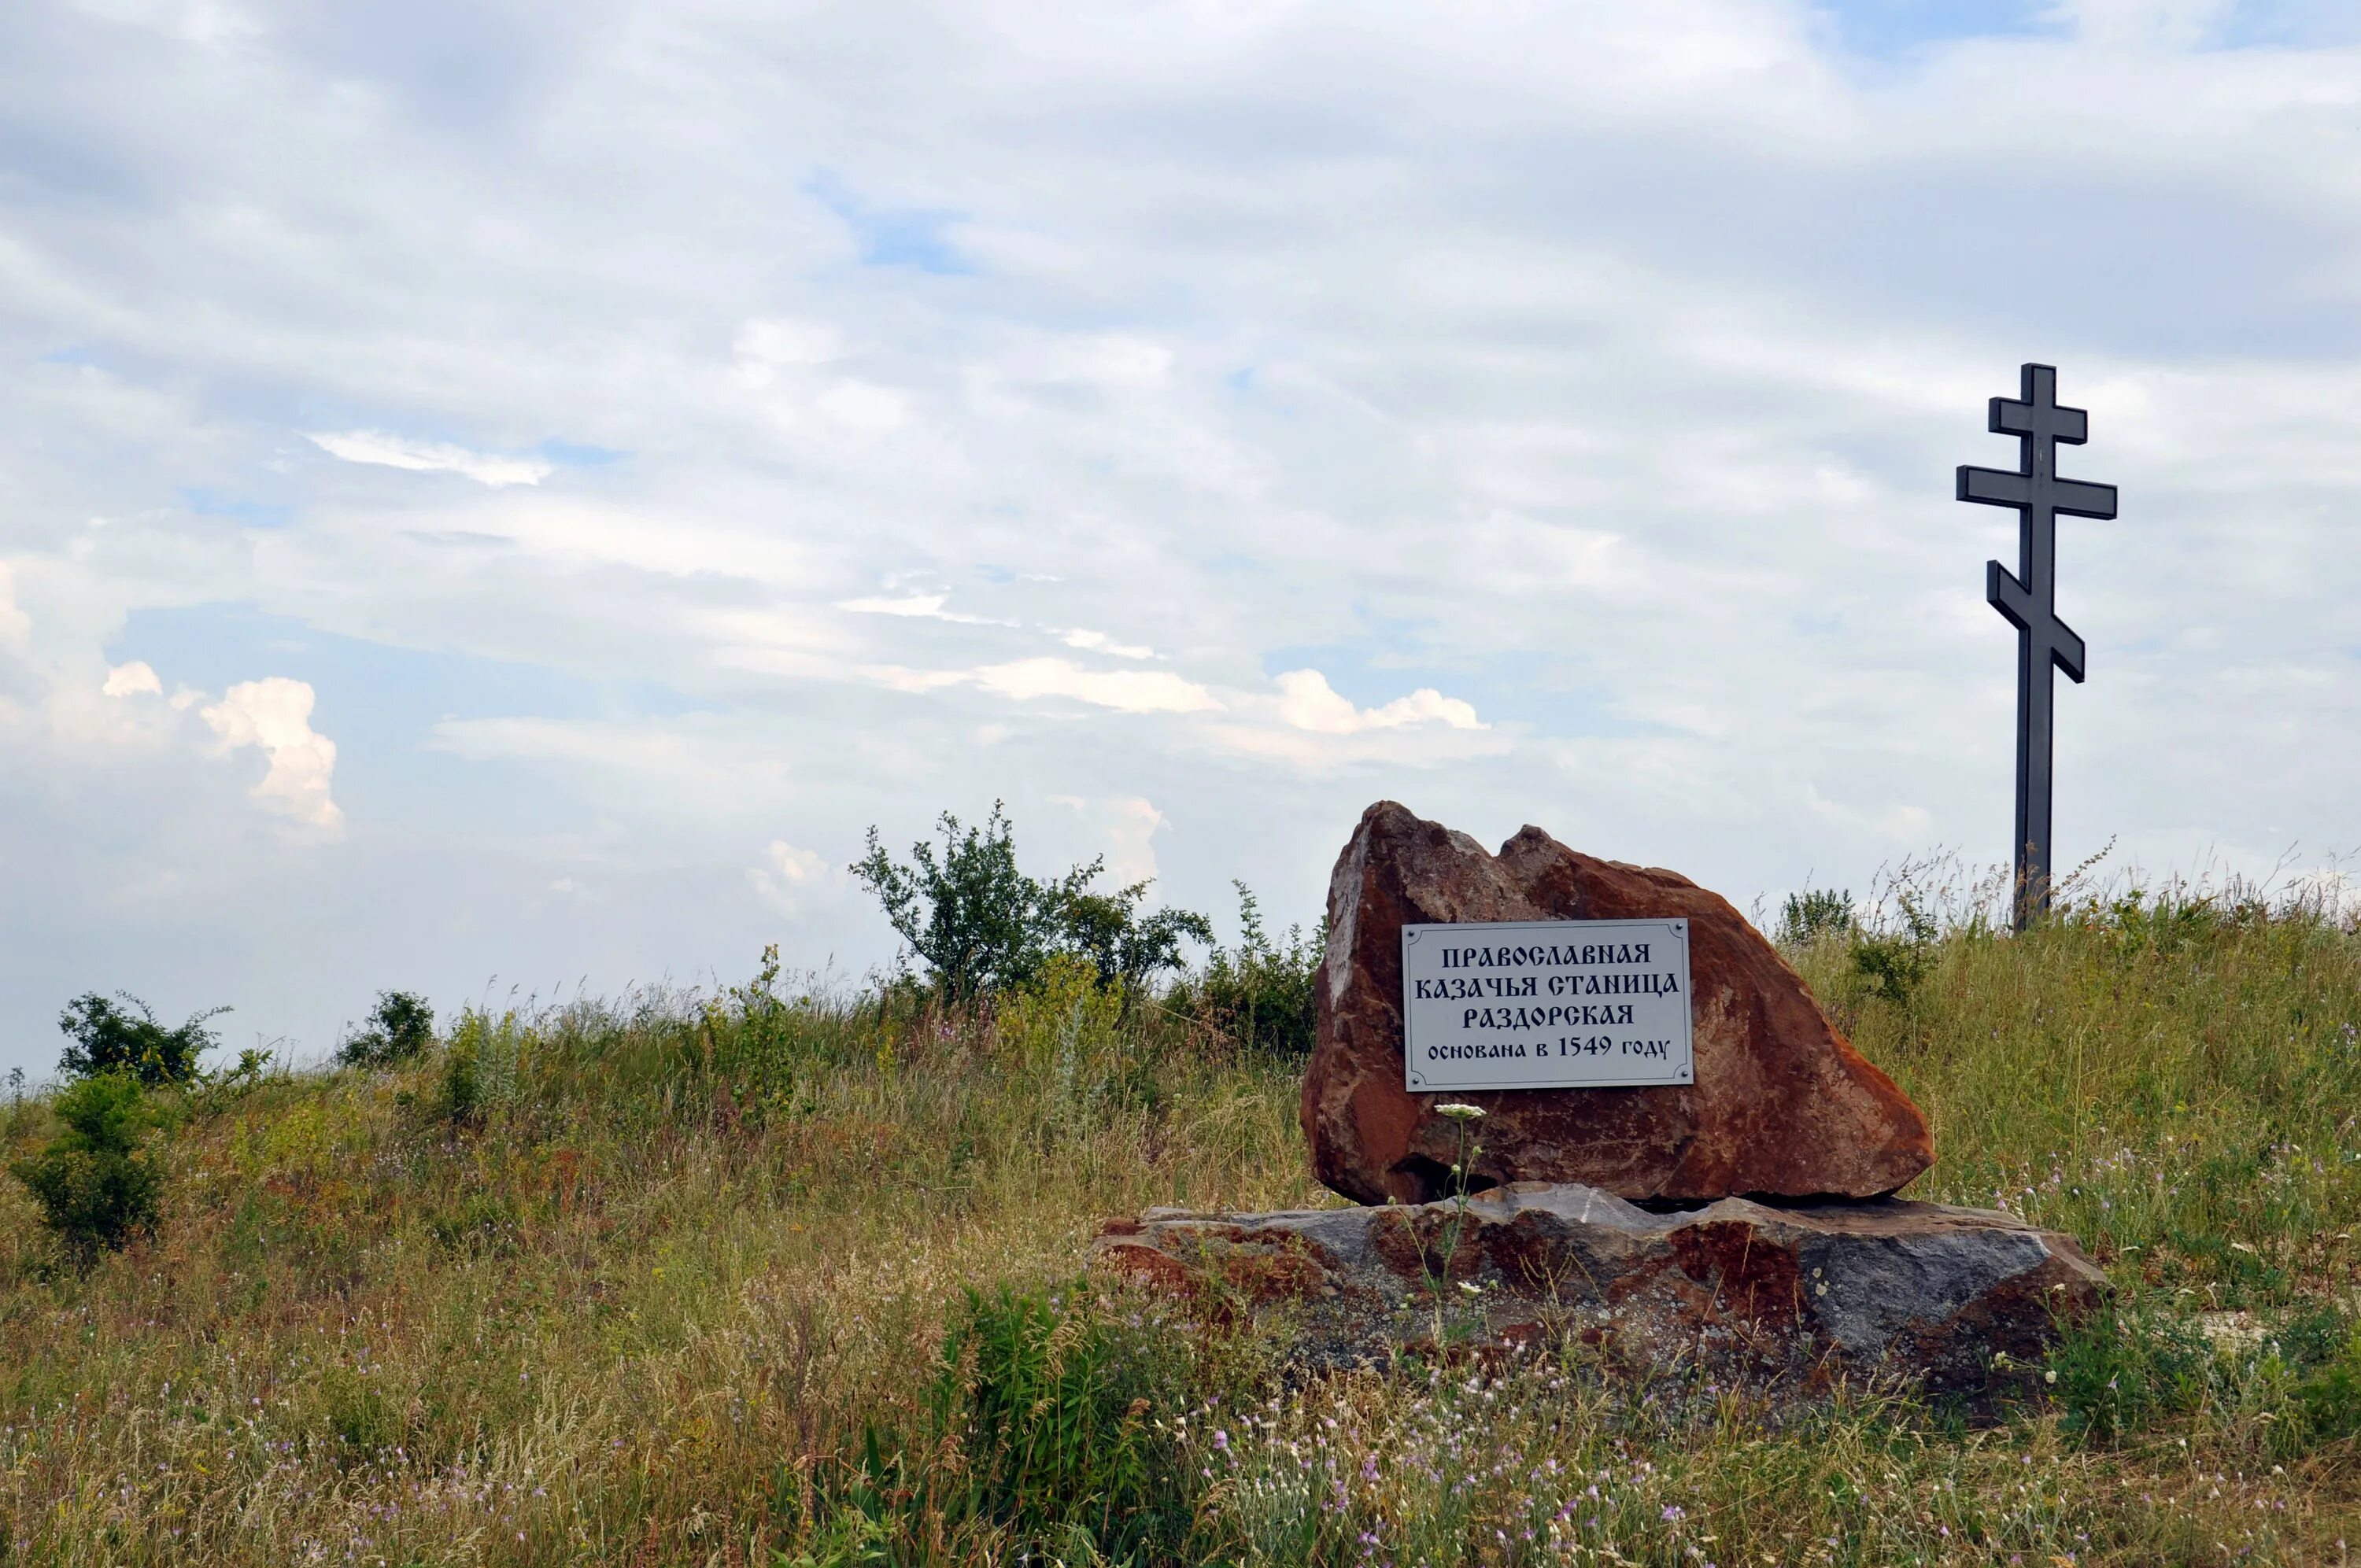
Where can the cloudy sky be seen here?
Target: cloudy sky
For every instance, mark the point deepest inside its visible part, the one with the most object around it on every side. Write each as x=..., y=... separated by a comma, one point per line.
x=502, y=495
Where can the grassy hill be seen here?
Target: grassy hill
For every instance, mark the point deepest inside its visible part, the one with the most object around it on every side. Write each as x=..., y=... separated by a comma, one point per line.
x=772, y=1277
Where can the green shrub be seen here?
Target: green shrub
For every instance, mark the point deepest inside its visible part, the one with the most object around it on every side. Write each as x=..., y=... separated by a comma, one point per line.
x=460, y=1082
x=980, y=924
x=1059, y=1404
x=976, y=921
x=1819, y=912
x=480, y=1067
x=1891, y=962
x=1125, y=946
x=1263, y=994
x=108, y=1039
x=2329, y=1393
x=399, y=1029
x=480, y=1223
x=94, y=1181
x=2125, y=1365
x=357, y=1418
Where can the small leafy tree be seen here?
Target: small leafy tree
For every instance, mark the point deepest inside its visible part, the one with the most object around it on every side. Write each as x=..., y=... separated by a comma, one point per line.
x=108, y=1039
x=1125, y=946
x=399, y=1029
x=976, y=921
x=1819, y=912
x=1263, y=993
x=1893, y=962
x=94, y=1181
x=980, y=925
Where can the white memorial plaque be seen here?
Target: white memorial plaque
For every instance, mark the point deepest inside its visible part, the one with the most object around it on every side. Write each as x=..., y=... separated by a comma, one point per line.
x=1547, y=1004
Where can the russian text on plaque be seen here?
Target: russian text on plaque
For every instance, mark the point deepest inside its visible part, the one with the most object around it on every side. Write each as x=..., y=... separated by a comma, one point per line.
x=1547, y=1004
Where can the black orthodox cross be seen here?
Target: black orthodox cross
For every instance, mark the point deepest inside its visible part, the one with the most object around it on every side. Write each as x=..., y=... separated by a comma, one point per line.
x=2029, y=598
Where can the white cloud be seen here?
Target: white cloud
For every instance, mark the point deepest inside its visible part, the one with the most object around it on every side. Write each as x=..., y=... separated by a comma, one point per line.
x=1100, y=642
x=274, y=715
x=1308, y=702
x=134, y=679
x=16, y=626
x=1126, y=691
x=928, y=606
x=793, y=865
x=763, y=347
x=858, y=405
x=433, y=456
x=1126, y=828
x=788, y=877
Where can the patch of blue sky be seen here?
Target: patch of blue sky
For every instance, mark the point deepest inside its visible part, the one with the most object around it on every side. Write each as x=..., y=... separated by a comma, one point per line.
x=1895, y=29
x=1831, y=625
x=254, y=514
x=567, y=454
x=2290, y=24
x=39, y=164
x=889, y=236
x=380, y=703
x=66, y=356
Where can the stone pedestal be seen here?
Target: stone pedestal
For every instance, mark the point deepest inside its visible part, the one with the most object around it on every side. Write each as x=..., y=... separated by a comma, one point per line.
x=1810, y=1290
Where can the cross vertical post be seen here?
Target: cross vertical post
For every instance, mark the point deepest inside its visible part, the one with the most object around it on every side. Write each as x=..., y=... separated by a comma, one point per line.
x=2028, y=598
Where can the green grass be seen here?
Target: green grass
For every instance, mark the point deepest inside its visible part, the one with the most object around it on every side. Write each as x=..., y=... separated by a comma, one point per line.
x=775, y=1278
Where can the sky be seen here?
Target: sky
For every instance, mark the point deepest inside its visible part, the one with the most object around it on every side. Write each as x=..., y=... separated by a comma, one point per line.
x=496, y=499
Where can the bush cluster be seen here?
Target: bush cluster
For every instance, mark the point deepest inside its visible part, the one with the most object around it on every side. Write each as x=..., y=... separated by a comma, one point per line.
x=980, y=925
x=123, y=1036
x=399, y=1029
x=97, y=1181
x=1260, y=995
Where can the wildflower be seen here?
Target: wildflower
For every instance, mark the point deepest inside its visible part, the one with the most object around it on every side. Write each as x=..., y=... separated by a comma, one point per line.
x=1460, y=1112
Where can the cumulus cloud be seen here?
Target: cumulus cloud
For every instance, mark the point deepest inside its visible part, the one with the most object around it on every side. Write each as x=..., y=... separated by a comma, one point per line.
x=1308, y=702
x=787, y=878
x=134, y=679
x=433, y=456
x=1125, y=828
x=274, y=716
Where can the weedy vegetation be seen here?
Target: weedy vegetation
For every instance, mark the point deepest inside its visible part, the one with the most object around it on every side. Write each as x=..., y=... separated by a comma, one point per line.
x=791, y=1276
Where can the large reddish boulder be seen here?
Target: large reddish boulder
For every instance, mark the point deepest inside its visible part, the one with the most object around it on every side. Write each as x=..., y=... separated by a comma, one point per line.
x=1782, y=1106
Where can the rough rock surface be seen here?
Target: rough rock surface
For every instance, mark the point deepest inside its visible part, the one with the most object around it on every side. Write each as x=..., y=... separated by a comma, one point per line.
x=1884, y=1285
x=1782, y=1104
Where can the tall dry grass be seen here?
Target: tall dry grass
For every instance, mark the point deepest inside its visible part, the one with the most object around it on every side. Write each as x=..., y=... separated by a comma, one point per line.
x=669, y=1280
